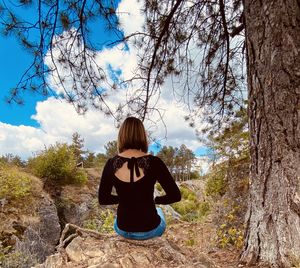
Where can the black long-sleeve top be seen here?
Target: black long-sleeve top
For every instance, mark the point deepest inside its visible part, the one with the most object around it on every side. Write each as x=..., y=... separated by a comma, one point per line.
x=136, y=210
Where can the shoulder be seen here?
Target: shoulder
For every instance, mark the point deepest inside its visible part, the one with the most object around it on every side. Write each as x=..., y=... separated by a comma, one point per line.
x=157, y=161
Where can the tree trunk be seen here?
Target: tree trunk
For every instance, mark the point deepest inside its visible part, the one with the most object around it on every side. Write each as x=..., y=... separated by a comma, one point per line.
x=273, y=61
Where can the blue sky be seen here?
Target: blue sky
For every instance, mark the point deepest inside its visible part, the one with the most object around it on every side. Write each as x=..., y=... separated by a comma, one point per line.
x=27, y=129
x=15, y=60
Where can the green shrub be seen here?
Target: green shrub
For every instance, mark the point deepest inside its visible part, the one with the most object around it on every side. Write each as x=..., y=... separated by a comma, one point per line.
x=58, y=163
x=13, y=183
x=230, y=231
x=203, y=208
x=229, y=236
x=107, y=217
x=80, y=177
x=189, y=207
x=92, y=224
x=216, y=184
x=102, y=224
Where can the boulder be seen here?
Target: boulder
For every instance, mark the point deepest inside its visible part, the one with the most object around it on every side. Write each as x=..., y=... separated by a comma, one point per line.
x=40, y=238
x=89, y=249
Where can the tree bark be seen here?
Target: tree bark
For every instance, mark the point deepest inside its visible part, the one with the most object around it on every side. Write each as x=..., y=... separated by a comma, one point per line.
x=273, y=62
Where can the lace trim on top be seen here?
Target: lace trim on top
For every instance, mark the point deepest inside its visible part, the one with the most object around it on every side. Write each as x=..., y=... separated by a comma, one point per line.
x=142, y=162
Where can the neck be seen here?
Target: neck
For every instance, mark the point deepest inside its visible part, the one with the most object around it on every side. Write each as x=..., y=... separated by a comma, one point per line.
x=132, y=153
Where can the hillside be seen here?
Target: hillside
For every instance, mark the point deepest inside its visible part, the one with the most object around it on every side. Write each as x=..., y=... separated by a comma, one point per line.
x=90, y=241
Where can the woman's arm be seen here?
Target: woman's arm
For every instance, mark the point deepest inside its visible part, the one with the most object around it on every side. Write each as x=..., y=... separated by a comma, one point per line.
x=104, y=193
x=167, y=182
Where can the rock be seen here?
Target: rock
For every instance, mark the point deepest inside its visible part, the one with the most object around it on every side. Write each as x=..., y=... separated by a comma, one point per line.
x=90, y=249
x=52, y=261
x=77, y=212
x=196, y=186
x=39, y=239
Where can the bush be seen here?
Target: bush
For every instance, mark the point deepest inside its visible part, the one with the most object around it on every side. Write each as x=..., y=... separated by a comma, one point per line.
x=230, y=236
x=13, y=183
x=57, y=163
x=216, y=184
x=189, y=207
x=102, y=224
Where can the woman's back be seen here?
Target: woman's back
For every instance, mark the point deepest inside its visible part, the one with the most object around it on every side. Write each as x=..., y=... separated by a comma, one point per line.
x=134, y=173
x=134, y=179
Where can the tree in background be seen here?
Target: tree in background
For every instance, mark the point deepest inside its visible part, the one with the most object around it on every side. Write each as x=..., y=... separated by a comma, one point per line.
x=111, y=149
x=167, y=154
x=60, y=36
x=89, y=160
x=233, y=140
x=11, y=159
x=77, y=147
x=180, y=162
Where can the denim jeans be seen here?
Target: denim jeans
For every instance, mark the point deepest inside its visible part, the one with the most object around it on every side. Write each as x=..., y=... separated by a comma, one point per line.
x=158, y=231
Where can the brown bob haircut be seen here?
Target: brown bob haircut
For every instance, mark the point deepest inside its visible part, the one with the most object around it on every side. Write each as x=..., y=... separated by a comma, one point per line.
x=132, y=135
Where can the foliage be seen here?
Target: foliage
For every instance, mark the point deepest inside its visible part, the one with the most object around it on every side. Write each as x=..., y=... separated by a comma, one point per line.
x=228, y=180
x=232, y=141
x=57, y=163
x=89, y=160
x=79, y=177
x=13, y=183
x=76, y=146
x=13, y=160
x=228, y=185
x=200, y=46
x=103, y=224
x=216, y=184
x=158, y=187
x=189, y=207
x=211, y=77
x=180, y=162
x=61, y=29
x=111, y=149
x=190, y=242
x=195, y=175
x=107, y=217
x=231, y=231
x=99, y=160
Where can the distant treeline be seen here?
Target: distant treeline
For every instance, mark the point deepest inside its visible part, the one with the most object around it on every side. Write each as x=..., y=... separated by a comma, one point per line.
x=180, y=161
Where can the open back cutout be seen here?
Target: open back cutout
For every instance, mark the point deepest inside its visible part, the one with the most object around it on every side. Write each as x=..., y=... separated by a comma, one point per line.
x=139, y=167
x=123, y=173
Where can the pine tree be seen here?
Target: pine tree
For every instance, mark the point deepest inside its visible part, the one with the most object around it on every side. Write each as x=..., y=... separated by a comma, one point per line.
x=77, y=147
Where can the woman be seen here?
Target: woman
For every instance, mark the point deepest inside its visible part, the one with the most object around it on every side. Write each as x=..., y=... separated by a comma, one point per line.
x=134, y=173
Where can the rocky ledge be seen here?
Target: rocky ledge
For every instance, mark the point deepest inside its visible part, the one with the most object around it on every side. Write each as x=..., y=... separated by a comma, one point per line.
x=83, y=248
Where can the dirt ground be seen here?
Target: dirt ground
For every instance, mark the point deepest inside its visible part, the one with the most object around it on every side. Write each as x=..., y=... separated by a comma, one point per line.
x=195, y=239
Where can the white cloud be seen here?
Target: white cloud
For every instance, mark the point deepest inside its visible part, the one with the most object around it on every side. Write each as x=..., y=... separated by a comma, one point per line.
x=21, y=140
x=130, y=16
x=58, y=119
